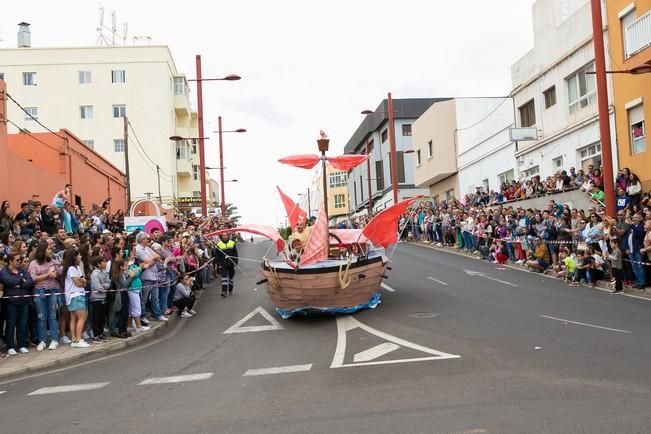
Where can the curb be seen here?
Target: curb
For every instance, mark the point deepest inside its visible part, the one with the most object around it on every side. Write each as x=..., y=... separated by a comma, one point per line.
x=514, y=267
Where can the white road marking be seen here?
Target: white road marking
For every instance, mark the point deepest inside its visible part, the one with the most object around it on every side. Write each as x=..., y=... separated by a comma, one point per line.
x=347, y=323
x=277, y=370
x=238, y=328
x=437, y=281
x=176, y=379
x=375, y=352
x=69, y=388
x=387, y=287
x=494, y=279
x=2, y=391
x=585, y=324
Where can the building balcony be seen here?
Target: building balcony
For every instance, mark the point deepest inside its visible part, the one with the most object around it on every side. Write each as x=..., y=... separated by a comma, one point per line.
x=183, y=167
x=182, y=105
x=637, y=35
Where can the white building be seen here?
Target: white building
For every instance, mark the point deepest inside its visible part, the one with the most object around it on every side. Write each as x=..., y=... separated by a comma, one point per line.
x=89, y=90
x=462, y=144
x=554, y=92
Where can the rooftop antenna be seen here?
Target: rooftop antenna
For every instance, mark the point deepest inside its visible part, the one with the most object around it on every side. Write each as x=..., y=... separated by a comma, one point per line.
x=111, y=38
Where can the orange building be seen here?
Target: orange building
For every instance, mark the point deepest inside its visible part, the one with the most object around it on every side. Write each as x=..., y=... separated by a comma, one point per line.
x=629, y=33
x=36, y=166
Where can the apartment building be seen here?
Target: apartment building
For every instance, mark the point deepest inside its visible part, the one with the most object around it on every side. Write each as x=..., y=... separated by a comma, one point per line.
x=89, y=91
x=372, y=137
x=555, y=92
x=337, y=182
x=629, y=24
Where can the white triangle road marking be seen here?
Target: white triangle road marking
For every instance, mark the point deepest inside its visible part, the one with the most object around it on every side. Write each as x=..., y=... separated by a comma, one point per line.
x=348, y=323
x=375, y=352
x=238, y=328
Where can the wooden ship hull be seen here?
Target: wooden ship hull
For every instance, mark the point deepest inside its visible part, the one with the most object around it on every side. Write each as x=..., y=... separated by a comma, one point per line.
x=328, y=286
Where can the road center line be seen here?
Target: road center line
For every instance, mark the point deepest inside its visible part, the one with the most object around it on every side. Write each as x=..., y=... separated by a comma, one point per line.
x=2, y=391
x=176, y=379
x=69, y=388
x=387, y=287
x=585, y=324
x=437, y=281
x=277, y=370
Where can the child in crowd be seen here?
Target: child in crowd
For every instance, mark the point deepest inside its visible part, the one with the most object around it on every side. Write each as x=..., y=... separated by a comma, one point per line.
x=183, y=297
x=615, y=257
x=135, y=288
x=100, y=283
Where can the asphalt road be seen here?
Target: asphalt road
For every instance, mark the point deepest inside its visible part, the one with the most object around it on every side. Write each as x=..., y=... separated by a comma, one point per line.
x=457, y=345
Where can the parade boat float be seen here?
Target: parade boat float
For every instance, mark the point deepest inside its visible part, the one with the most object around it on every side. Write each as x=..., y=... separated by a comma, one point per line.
x=338, y=270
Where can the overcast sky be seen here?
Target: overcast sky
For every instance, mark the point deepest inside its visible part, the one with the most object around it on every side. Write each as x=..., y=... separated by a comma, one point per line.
x=306, y=65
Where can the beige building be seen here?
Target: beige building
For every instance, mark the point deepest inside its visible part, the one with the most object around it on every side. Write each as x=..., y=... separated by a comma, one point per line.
x=337, y=195
x=89, y=91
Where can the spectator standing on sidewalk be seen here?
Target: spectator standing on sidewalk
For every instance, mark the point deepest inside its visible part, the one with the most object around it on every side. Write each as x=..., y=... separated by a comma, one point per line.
x=75, y=284
x=615, y=257
x=120, y=281
x=44, y=272
x=135, y=289
x=146, y=258
x=17, y=283
x=100, y=283
x=633, y=243
x=162, y=288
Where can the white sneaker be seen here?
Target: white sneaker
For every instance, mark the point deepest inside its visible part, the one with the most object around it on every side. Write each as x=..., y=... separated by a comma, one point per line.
x=192, y=312
x=186, y=315
x=162, y=318
x=40, y=346
x=65, y=340
x=84, y=335
x=143, y=328
x=53, y=345
x=81, y=344
x=23, y=350
x=11, y=352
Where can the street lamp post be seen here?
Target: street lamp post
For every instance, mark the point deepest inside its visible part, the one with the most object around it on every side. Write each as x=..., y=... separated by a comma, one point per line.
x=368, y=175
x=202, y=156
x=221, y=161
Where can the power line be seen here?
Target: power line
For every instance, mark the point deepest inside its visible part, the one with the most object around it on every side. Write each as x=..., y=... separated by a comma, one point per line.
x=33, y=118
x=24, y=131
x=143, y=150
x=485, y=117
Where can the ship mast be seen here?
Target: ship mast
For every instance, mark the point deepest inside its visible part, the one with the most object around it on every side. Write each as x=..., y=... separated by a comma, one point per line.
x=323, y=143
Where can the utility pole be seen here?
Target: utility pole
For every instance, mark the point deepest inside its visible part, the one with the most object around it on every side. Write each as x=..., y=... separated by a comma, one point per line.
x=392, y=144
x=202, y=156
x=602, y=102
x=126, y=160
x=160, y=199
x=368, y=177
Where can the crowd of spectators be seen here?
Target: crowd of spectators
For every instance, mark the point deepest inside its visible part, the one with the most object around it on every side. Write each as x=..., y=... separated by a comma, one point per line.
x=71, y=276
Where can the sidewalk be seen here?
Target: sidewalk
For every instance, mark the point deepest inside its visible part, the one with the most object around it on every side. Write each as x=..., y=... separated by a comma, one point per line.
x=601, y=285
x=34, y=361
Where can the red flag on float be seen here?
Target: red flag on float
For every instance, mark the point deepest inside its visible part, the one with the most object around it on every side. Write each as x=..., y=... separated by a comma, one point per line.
x=303, y=161
x=317, y=245
x=347, y=162
x=383, y=228
x=265, y=231
x=294, y=212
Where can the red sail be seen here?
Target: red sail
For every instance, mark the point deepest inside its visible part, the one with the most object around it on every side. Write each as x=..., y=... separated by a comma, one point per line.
x=383, y=228
x=304, y=161
x=317, y=245
x=347, y=162
x=265, y=231
x=294, y=212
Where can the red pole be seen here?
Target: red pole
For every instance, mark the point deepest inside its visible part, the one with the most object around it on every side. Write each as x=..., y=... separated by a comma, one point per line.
x=394, y=156
x=602, y=101
x=368, y=175
x=221, y=167
x=4, y=138
x=202, y=156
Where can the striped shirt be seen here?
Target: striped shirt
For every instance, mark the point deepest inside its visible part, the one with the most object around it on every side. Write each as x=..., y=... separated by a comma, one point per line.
x=36, y=269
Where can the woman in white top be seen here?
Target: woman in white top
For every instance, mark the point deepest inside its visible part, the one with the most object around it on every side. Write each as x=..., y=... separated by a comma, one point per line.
x=634, y=189
x=75, y=294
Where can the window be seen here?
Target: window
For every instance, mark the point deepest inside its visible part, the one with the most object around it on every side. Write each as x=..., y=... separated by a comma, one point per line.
x=195, y=172
x=401, y=166
x=418, y=157
x=119, y=111
x=340, y=201
x=118, y=145
x=179, y=86
x=338, y=179
x=638, y=130
x=581, y=89
x=86, y=111
x=355, y=191
x=196, y=194
x=550, y=97
x=406, y=130
x=557, y=163
x=430, y=149
x=118, y=76
x=31, y=113
x=384, y=135
x=531, y=172
x=29, y=78
x=182, y=150
x=484, y=184
x=361, y=189
x=506, y=177
x=626, y=18
x=590, y=155
x=84, y=77
x=528, y=114
x=2, y=76
x=379, y=175
x=449, y=195
x=89, y=143
x=194, y=148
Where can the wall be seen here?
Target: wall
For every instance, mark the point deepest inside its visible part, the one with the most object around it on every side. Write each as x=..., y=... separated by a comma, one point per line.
x=39, y=169
x=574, y=199
x=439, y=189
x=628, y=88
